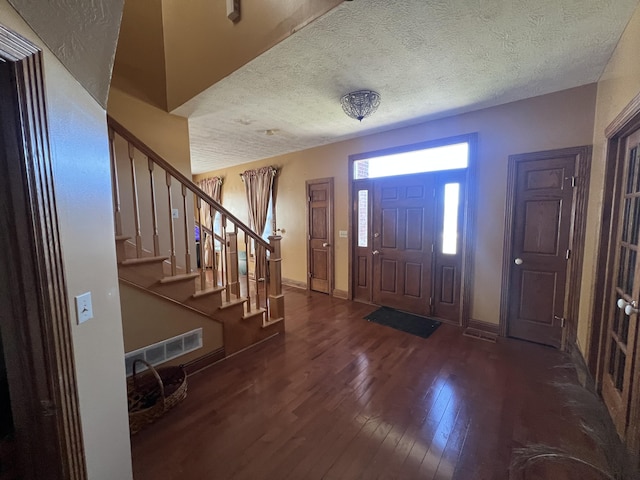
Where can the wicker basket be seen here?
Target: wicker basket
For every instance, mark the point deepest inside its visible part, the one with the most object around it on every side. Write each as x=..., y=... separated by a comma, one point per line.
x=153, y=393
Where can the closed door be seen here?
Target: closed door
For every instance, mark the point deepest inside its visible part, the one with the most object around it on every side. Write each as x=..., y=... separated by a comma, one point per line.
x=543, y=208
x=619, y=371
x=402, y=243
x=320, y=234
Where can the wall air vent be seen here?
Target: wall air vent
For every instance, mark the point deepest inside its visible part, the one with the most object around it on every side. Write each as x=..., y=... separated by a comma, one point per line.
x=165, y=350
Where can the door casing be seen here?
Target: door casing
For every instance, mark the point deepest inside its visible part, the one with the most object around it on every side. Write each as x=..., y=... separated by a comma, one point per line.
x=576, y=241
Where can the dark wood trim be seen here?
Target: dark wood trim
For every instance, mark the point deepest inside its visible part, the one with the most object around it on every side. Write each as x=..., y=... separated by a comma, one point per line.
x=294, y=283
x=624, y=118
x=470, y=214
x=34, y=304
x=578, y=232
x=340, y=294
x=204, y=361
x=330, y=228
x=492, y=328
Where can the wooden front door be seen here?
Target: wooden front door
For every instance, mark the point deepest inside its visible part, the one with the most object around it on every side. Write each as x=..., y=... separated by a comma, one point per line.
x=621, y=342
x=542, y=219
x=402, y=243
x=320, y=234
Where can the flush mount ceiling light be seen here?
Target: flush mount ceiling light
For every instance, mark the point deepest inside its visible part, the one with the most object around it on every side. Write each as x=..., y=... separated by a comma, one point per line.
x=360, y=104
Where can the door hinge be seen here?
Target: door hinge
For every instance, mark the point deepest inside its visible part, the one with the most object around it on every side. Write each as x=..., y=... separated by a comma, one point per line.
x=310, y=275
x=574, y=181
x=432, y=248
x=431, y=301
x=568, y=254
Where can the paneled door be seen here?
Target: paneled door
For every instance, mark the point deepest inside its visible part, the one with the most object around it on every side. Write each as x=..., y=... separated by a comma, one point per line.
x=402, y=244
x=542, y=219
x=320, y=234
x=621, y=341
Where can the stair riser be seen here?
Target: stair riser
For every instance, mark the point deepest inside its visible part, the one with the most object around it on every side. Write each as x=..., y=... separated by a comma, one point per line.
x=246, y=332
x=208, y=304
x=233, y=313
x=121, y=251
x=180, y=291
x=144, y=275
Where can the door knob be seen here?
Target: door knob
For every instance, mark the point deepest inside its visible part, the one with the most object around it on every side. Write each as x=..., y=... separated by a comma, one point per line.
x=518, y=261
x=325, y=244
x=375, y=252
x=631, y=308
x=621, y=303
x=376, y=235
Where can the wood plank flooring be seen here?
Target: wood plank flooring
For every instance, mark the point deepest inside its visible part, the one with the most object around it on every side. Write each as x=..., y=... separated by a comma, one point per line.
x=338, y=397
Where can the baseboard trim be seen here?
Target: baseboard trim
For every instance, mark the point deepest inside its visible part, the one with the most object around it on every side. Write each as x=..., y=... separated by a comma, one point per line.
x=487, y=327
x=294, y=283
x=205, y=361
x=340, y=294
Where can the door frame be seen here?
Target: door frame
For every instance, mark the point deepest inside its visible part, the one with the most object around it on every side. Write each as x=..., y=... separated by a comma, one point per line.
x=468, y=212
x=330, y=232
x=33, y=298
x=627, y=122
x=577, y=231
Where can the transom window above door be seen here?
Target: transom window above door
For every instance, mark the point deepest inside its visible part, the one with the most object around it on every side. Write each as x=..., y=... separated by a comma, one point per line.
x=448, y=157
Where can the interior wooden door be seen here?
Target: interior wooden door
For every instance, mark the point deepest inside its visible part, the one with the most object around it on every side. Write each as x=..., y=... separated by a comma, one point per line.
x=402, y=243
x=619, y=372
x=320, y=234
x=542, y=218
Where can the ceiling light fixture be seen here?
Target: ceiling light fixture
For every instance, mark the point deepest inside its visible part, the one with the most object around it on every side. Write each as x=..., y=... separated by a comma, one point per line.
x=360, y=104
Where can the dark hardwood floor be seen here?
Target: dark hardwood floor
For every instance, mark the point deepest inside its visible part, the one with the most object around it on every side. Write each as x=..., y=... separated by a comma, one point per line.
x=337, y=397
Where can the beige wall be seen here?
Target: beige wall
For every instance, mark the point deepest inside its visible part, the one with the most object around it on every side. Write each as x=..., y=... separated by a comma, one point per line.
x=618, y=85
x=83, y=193
x=558, y=120
x=202, y=46
x=148, y=319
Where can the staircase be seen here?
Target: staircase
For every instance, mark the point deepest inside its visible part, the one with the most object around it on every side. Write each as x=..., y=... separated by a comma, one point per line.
x=157, y=212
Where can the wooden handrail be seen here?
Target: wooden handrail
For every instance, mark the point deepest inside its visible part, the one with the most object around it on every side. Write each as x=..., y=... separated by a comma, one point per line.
x=153, y=156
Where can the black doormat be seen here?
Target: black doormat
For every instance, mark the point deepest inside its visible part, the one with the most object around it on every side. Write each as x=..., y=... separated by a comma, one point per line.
x=405, y=322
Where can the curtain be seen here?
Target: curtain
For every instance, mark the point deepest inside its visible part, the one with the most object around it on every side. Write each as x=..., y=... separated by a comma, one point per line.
x=258, y=185
x=213, y=187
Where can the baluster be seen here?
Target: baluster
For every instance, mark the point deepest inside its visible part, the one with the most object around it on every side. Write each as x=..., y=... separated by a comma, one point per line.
x=232, y=264
x=246, y=262
x=259, y=279
x=276, y=298
x=203, y=268
x=214, y=263
x=136, y=211
x=172, y=255
x=154, y=213
x=187, y=245
x=117, y=213
x=225, y=272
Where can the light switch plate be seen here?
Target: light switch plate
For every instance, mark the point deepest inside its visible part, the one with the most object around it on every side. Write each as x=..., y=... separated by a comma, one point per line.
x=175, y=213
x=84, y=307
x=343, y=234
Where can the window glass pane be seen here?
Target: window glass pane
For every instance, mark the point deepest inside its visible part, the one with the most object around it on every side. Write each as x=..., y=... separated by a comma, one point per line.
x=450, y=223
x=363, y=218
x=448, y=157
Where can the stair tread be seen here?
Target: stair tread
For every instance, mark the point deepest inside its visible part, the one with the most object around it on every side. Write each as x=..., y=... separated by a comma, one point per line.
x=208, y=291
x=143, y=260
x=179, y=278
x=122, y=238
x=272, y=322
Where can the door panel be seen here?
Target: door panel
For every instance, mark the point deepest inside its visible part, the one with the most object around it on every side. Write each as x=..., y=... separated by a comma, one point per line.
x=621, y=341
x=320, y=234
x=544, y=198
x=403, y=222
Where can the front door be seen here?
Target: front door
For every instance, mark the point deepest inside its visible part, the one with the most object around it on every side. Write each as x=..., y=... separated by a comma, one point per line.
x=542, y=219
x=403, y=225
x=320, y=234
x=621, y=334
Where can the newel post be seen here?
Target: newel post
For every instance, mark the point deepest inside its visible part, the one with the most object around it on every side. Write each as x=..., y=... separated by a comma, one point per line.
x=276, y=298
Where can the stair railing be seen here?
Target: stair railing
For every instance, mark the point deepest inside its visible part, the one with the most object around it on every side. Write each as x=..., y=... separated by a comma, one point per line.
x=155, y=228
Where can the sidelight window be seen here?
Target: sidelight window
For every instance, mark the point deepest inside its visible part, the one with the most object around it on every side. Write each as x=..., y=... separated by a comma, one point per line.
x=363, y=218
x=450, y=223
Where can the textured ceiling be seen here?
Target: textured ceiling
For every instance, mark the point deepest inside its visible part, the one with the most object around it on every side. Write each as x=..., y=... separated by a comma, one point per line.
x=83, y=35
x=427, y=59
